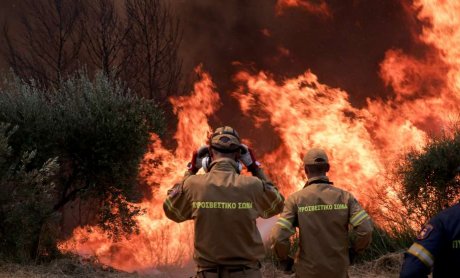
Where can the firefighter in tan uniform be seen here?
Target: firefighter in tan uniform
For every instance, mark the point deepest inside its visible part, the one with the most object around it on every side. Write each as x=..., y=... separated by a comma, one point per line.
x=323, y=214
x=224, y=206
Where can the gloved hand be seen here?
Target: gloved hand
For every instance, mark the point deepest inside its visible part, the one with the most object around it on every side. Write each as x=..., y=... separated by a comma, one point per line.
x=195, y=163
x=286, y=265
x=351, y=255
x=248, y=159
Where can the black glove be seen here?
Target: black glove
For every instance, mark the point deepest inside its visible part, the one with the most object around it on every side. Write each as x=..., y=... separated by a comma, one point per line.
x=352, y=255
x=286, y=265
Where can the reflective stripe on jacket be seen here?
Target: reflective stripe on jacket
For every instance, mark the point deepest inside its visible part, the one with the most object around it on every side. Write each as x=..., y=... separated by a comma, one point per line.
x=323, y=214
x=437, y=247
x=225, y=206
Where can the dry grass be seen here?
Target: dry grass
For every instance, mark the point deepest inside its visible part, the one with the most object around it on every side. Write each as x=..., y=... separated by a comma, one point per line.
x=386, y=266
x=60, y=268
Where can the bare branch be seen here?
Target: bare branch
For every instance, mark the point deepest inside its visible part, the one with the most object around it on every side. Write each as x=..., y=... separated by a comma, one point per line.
x=49, y=41
x=155, y=37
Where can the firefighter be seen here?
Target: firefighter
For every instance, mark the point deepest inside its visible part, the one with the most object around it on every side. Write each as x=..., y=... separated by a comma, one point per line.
x=324, y=215
x=437, y=247
x=224, y=206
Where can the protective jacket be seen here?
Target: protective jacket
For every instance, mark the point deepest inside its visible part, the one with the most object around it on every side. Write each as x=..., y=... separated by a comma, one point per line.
x=437, y=247
x=323, y=214
x=224, y=206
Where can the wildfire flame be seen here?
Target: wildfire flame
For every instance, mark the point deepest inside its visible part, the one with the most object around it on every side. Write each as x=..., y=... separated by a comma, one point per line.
x=160, y=242
x=363, y=144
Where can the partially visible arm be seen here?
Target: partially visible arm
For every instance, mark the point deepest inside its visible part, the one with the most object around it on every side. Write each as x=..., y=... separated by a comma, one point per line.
x=413, y=268
x=177, y=205
x=269, y=202
x=284, y=229
x=259, y=172
x=419, y=258
x=362, y=226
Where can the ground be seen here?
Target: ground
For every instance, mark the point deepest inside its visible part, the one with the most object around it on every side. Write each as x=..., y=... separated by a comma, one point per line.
x=387, y=266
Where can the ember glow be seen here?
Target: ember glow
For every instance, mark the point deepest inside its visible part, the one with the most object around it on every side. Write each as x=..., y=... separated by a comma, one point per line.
x=363, y=143
x=314, y=7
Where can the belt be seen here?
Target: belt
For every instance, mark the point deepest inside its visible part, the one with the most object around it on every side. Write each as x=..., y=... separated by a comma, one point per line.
x=230, y=269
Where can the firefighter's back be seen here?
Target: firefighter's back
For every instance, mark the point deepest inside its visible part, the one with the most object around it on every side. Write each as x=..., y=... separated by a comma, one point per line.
x=323, y=217
x=224, y=213
x=323, y=214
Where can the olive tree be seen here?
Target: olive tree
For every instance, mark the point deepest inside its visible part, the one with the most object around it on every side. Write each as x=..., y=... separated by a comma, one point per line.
x=430, y=177
x=95, y=131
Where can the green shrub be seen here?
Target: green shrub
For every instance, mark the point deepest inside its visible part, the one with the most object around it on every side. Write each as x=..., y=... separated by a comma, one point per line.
x=26, y=201
x=98, y=131
x=430, y=177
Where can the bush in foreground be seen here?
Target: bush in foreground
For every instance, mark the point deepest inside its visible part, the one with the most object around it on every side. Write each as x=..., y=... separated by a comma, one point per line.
x=430, y=177
x=96, y=132
x=26, y=200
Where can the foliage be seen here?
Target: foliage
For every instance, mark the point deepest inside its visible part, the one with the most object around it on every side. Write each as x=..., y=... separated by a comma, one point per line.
x=99, y=132
x=430, y=177
x=26, y=198
x=387, y=240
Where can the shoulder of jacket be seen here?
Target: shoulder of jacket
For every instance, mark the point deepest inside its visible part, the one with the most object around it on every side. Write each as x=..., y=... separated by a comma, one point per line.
x=294, y=197
x=193, y=179
x=453, y=210
x=446, y=215
x=338, y=189
x=347, y=194
x=249, y=180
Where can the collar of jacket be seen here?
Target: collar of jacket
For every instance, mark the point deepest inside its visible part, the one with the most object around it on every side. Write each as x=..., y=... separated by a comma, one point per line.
x=224, y=164
x=320, y=179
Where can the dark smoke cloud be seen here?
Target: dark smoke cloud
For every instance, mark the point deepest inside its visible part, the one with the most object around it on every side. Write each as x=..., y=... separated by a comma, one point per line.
x=344, y=48
x=8, y=13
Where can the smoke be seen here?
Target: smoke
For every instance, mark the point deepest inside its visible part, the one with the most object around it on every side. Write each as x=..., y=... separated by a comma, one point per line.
x=8, y=11
x=347, y=44
x=342, y=41
x=373, y=50
x=343, y=47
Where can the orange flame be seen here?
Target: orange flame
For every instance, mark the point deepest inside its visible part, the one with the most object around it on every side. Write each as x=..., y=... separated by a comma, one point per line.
x=363, y=144
x=160, y=242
